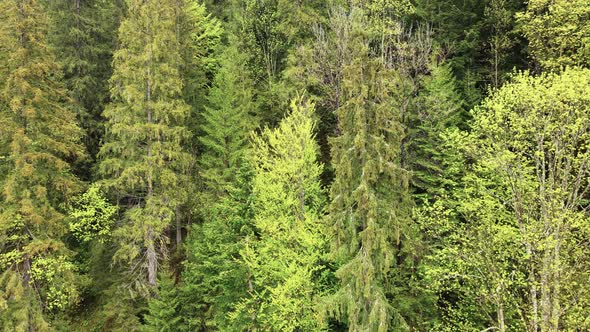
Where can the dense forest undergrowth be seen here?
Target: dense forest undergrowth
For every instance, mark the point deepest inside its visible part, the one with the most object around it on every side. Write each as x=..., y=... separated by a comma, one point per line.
x=294, y=165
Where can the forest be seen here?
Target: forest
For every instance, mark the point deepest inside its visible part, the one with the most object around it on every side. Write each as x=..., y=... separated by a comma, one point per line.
x=294, y=165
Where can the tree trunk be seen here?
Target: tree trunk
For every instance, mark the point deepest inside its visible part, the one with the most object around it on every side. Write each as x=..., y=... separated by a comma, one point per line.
x=151, y=258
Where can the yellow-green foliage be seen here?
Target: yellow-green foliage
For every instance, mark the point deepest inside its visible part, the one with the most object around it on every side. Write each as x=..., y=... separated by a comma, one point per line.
x=284, y=261
x=91, y=215
x=558, y=32
x=42, y=135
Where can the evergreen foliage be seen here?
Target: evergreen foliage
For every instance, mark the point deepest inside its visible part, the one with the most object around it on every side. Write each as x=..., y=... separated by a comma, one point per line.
x=43, y=138
x=144, y=154
x=309, y=165
x=284, y=259
x=370, y=206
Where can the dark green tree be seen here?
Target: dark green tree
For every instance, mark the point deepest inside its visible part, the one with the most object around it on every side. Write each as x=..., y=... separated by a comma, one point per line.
x=83, y=34
x=227, y=122
x=214, y=280
x=163, y=308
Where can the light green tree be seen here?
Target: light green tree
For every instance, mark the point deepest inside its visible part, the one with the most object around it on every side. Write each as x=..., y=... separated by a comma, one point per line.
x=285, y=259
x=558, y=32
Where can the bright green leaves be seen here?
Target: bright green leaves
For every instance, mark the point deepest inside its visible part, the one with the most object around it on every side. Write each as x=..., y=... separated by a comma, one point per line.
x=92, y=215
x=56, y=276
x=558, y=32
x=520, y=210
x=285, y=258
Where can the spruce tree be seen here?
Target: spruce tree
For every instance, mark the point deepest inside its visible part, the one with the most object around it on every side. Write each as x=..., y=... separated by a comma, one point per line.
x=144, y=157
x=370, y=202
x=163, y=309
x=227, y=122
x=83, y=34
x=438, y=108
x=214, y=279
x=43, y=138
x=285, y=259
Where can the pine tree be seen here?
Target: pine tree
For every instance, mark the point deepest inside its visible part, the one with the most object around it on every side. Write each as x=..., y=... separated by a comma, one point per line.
x=285, y=259
x=370, y=205
x=83, y=34
x=228, y=120
x=163, y=309
x=214, y=280
x=144, y=156
x=43, y=138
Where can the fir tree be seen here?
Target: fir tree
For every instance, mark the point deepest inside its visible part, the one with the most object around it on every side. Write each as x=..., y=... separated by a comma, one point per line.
x=285, y=259
x=43, y=137
x=228, y=120
x=163, y=315
x=144, y=154
x=83, y=34
x=214, y=280
x=438, y=108
x=370, y=205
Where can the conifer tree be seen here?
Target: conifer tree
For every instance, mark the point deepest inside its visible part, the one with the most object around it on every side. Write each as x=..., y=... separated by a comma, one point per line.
x=214, y=279
x=370, y=205
x=163, y=309
x=43, y=138
x=438, y=108
x=285, y=259
x=83, y=34
x=228, y=120
x=144, y=155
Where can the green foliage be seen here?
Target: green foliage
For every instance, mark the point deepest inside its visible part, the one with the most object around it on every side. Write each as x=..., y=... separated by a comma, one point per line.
x=228, y=120
x=558, y=32
x=42, y=136
x=438, y=108
x=92, y=216
x=500, y=261
x=370, y=204
x=83, y=36
x=163, y=308
x=285, y=260
x=144, y=155
x=214, y=280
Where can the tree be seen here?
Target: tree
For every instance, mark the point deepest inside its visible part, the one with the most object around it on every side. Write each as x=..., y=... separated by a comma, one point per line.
x=163, y=309
x=144, y=156
x=227, y=123
x=557, y=32
x=40, y=129
x=512, y=262
x=438, y=108
x=214, y=278
x=533, y=133
x=285, y=260
x=83, y=34
x=370, y=202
